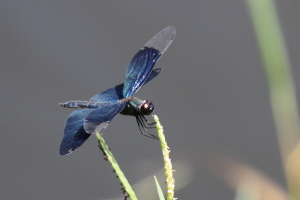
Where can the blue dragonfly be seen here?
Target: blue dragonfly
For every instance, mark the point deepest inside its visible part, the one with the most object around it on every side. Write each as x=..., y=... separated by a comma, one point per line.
x=96, y=114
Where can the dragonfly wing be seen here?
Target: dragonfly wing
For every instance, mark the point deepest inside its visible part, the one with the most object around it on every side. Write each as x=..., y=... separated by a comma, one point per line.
x=100, y=118
x=162, y=40
x=114, y=94
x=110, y=95
x=153, y=74
x=74, y=133
x=144, y=60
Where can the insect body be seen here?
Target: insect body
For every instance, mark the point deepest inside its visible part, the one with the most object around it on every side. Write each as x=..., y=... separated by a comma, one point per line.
x=97, y=113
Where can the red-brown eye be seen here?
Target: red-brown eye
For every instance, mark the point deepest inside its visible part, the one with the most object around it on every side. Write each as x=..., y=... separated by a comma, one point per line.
x=147, y=108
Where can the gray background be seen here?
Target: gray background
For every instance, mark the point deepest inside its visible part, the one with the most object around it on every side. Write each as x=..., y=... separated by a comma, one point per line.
x=212, y=96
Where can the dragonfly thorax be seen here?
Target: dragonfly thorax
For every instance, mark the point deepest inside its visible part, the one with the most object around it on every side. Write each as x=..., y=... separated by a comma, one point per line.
x=135, y=106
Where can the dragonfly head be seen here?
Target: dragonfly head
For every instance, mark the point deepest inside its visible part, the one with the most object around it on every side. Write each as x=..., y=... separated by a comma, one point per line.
x=147, y=108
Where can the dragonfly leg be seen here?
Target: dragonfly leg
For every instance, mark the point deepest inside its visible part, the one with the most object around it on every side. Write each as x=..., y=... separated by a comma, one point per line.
x=142, y=121
x=145, y=120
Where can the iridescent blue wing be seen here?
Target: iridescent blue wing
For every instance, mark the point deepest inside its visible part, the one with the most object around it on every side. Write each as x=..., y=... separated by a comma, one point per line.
x=153, y=74
x=111, y=95
x=99, y=118
x=115, y=93
x=139, y=69
x=74, y=133
x=144, y=60
x=82, y=123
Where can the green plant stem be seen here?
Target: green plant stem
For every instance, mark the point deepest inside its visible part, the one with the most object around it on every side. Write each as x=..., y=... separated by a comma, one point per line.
x=167, y=161
x=277, y=69
x=159, y=191
x=116, y=167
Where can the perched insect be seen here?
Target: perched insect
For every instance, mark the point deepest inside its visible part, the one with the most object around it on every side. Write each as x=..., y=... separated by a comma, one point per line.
x=97, y=113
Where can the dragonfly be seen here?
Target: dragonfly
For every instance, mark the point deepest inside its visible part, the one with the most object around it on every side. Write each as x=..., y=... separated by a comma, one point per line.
x=97, y=113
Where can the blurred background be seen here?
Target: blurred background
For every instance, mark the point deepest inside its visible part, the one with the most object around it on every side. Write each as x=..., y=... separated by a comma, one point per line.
x=212, y=97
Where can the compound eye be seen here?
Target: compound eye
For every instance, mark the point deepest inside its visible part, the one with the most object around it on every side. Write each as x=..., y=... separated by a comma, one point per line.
x=147, y=108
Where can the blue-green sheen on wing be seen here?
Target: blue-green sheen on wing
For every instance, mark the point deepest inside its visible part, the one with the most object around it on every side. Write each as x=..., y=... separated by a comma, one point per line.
x=139, y=69
x=153, y=74
x=74, y=133
x=99, y=118
x=82, y=123
x=114, y=94
x=144, y=60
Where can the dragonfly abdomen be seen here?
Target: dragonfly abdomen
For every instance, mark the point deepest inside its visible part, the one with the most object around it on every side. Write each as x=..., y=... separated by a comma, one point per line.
x=82, y=104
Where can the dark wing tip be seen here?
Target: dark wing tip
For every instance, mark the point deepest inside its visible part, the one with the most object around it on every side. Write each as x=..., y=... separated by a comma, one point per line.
x=64, y=152
x=162, y=40
x=157, y=70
